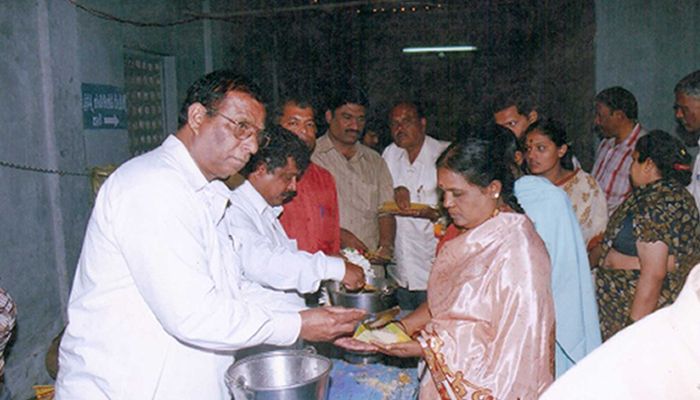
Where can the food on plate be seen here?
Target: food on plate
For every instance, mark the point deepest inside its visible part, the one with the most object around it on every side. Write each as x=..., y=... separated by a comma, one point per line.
x=388, y=334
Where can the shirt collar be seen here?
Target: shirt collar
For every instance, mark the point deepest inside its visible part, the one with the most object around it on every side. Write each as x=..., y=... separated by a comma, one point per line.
x=631, y=139
x=194, y=176
x=423, y=157
x=256, y=200
x=324, y=144
x=216, y=192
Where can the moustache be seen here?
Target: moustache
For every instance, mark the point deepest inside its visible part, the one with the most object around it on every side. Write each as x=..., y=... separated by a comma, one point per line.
x=288, y=196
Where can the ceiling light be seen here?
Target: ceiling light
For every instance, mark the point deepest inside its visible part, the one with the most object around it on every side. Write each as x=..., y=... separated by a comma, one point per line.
x=438, y=49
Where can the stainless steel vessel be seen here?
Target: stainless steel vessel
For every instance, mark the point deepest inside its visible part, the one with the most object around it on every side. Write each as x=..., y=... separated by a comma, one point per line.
x=280, y=375
x=380, y=298
x=372, y=301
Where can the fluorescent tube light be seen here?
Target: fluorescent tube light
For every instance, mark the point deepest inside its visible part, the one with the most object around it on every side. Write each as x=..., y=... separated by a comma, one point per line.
x=438, y=49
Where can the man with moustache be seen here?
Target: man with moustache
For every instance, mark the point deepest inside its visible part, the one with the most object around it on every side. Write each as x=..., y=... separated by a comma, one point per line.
x=361, y=175
x=687, y=109
x=157, y=307
x=280, y=273
x=311, y=216
x=411, y=161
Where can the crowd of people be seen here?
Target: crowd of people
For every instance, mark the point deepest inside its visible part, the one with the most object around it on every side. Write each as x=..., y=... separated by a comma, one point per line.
x=539, y=261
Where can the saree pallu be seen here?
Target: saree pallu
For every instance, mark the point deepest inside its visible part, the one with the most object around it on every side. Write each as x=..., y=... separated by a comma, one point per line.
x=492, y=326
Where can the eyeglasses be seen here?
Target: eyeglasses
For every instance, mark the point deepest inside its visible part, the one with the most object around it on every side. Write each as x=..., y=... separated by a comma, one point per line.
x=245, y=130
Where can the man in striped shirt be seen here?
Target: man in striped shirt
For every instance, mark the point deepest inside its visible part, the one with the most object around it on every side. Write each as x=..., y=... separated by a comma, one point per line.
x=616, y=121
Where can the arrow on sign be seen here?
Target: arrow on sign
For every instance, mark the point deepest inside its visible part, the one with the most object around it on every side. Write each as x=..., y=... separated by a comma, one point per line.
x=114, y=120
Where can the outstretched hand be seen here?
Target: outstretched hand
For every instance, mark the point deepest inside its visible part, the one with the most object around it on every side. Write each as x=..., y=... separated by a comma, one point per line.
x=324, y=324
x=404, y=349
x=348, y=239
x=352, y=344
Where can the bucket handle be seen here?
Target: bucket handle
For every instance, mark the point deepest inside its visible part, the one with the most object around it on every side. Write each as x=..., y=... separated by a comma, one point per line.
x=309, y=350
x=385, y=296
x=241, y=385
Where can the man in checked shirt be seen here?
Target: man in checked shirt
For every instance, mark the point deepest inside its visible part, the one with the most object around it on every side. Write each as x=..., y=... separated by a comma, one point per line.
x=616, y=121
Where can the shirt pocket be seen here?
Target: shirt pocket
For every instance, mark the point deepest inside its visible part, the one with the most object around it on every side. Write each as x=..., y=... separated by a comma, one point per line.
x=365, y=198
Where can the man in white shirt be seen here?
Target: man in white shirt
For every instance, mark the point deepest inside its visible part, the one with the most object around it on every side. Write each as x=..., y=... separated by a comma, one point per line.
x=268, y=256
x=411, y=161
x=156, y=308
x=687, y=108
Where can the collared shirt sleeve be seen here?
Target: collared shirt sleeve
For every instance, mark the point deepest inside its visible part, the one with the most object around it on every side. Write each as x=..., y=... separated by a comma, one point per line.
x=266, y=261
x=169, y=255
x=385, y=183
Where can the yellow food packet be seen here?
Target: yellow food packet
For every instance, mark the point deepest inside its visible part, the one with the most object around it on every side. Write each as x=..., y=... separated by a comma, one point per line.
x=43, y=392
x=388, y=334
x=389, y=207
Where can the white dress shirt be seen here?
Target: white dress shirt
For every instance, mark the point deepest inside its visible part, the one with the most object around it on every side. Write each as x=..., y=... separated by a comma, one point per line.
x=414, y=246
x=156, y=308
x=694, y=186
x=270, y=258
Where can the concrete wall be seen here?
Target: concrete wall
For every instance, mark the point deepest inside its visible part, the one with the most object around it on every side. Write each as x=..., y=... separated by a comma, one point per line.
x=549, y=47
x=49, y=48
x=647, y=47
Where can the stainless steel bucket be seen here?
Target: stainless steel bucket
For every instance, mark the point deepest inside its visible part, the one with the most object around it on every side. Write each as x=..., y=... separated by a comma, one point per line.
x=280, y=375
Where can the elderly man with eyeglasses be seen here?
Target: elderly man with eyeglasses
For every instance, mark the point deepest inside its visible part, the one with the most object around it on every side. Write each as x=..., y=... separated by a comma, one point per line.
x=157, y=309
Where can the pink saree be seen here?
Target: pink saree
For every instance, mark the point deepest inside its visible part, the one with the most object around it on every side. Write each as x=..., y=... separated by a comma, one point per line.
x=491, y=335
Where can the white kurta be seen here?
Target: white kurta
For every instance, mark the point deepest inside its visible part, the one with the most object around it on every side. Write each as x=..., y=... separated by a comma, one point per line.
x=155, y=310
x=657, y=357
x=415, y=238
x=270, y=258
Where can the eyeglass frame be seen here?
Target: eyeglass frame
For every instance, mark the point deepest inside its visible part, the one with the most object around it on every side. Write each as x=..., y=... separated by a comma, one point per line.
x=261, y=137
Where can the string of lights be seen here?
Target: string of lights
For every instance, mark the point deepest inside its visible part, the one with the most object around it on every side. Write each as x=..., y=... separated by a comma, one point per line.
x=21, y=167
x=110, y=17
x=358, y=7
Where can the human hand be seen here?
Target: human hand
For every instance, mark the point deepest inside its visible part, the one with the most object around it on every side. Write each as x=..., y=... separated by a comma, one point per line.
x=354, y=278
x=430, y=213
x=323, y=324
x=382, y=255
x=348, y=239
x=352, y=344
x=425, y=212
x=404, y=349
x=402, y=197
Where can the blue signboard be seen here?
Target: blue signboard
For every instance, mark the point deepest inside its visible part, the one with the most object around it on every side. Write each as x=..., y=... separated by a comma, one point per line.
x=104, y=107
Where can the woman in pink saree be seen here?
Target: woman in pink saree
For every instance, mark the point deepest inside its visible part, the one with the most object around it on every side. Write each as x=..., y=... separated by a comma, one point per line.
x=487, y=329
